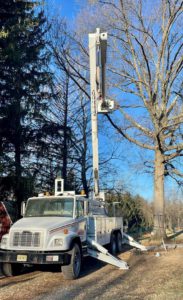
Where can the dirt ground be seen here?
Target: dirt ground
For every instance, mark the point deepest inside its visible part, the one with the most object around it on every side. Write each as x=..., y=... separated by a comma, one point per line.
x=149, y=277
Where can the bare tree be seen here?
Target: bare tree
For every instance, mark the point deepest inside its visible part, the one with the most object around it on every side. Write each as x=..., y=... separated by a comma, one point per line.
x=145, y=74
x=70, y=55
x=174, y=210
x=71, y=105
x=146, y=66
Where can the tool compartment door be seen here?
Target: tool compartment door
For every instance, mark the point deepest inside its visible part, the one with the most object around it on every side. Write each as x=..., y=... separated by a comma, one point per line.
x=100, y=228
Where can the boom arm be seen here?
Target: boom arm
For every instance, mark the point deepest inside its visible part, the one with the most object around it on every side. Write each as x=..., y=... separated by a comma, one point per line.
x=99, y=103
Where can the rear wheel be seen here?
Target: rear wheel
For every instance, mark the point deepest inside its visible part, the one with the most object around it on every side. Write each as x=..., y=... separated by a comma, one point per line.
x=113, y=245
x=11, y=269
x=72, y=270
x=119, y=241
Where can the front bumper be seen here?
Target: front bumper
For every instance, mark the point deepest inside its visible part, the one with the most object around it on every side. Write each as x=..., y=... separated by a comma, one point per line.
x=32, y=257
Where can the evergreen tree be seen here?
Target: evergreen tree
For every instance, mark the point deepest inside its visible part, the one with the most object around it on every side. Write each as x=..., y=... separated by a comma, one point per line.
x=24, y=79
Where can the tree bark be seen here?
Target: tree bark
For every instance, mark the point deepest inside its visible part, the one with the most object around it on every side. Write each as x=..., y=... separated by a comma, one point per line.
x=65, y=135
x=18, y=192
x=18, y=166
x=159, y=203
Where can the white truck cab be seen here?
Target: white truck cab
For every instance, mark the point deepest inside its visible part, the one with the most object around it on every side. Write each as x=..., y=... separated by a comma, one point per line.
x=49, y=224
x=48, y=231
x=59, y=229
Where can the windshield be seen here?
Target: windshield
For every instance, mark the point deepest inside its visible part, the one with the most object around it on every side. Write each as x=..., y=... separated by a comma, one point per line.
x=62, y=207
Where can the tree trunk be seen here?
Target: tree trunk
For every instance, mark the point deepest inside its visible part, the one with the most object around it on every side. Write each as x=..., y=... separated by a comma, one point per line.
x=65, y=135
x=18, y=192
x=18, y=169
x=159, y=204
x=84, y=178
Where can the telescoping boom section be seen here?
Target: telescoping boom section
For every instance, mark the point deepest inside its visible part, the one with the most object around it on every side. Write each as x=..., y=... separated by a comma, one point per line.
x=99, y=103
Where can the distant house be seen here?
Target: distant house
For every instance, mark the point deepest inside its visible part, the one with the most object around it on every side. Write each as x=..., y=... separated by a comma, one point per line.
x=8, y=215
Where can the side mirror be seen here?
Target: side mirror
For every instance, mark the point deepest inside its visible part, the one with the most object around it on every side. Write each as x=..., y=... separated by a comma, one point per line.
x=23, y=206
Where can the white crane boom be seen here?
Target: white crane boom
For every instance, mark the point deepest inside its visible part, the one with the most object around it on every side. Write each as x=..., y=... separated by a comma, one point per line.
x=99, y=103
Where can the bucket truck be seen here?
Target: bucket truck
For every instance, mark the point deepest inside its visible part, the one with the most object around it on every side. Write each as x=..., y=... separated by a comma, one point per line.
x=63, y=228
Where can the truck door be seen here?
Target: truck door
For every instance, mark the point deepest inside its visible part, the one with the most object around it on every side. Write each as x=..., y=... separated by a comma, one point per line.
x=81, y=220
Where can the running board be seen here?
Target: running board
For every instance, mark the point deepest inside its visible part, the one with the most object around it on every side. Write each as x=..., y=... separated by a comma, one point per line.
x=102, y=254
x=127, y=239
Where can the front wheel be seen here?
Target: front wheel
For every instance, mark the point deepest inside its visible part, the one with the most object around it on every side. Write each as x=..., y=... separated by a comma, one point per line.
x=72, y=270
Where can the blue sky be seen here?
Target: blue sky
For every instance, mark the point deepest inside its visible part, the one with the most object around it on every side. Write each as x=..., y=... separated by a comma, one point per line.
x=67, y=8
x=136, y=179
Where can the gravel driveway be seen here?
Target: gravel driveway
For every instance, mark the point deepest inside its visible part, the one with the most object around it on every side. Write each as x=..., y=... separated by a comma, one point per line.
x=149, y=277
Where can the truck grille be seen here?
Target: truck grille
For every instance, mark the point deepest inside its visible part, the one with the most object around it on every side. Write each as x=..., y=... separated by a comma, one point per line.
x=26, y=239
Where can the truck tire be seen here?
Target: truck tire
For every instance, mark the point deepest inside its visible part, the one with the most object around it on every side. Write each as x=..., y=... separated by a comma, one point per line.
x=113, y=244
x=72, y=270
x=9, y=269
x=119, y=241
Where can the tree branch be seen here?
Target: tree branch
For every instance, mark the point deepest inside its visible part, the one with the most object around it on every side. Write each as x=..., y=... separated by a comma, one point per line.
x=125, y=135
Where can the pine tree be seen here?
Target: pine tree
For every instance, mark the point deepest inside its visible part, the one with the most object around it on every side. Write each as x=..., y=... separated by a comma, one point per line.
x=24, y=79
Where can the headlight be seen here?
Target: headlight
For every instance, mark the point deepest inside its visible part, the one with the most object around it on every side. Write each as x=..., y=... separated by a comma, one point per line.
x=58, y=242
